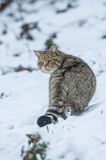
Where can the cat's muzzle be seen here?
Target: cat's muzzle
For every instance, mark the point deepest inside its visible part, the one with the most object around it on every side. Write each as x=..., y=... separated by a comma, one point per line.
x=45, y=120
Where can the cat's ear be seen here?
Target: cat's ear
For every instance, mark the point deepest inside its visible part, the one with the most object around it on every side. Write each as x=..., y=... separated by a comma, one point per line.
x=37, y=53
x=53, y=48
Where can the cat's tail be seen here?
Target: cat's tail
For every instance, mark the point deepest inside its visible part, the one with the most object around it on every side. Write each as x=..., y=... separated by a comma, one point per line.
x=46, y=119
x=50, y=117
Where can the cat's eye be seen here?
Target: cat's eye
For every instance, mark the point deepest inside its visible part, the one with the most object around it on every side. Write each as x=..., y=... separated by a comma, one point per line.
x=49, y=62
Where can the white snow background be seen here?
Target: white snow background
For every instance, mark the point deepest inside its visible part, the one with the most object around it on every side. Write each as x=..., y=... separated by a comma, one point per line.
x=81, y=31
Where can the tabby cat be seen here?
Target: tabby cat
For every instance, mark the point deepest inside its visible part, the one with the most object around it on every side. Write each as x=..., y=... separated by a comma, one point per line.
x=71, y=86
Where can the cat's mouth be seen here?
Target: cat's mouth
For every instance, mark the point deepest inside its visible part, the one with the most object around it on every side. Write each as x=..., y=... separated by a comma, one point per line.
x=46, y=70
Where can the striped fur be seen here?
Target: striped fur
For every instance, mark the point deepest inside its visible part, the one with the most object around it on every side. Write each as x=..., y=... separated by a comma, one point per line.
x=72, y=82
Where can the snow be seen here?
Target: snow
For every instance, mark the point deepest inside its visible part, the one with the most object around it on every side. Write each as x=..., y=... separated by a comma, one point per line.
x=79, y=32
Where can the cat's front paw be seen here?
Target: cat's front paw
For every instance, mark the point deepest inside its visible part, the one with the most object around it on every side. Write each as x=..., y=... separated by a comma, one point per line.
x=43, y=121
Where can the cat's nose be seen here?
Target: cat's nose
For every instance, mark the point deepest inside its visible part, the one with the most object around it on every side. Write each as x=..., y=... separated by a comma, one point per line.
x=41, y=63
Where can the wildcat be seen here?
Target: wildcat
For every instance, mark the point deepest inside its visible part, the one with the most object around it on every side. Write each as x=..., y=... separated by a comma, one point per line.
x=71, y=86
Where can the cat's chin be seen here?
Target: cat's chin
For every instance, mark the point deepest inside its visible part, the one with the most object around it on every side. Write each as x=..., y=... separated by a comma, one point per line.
x=46, y=71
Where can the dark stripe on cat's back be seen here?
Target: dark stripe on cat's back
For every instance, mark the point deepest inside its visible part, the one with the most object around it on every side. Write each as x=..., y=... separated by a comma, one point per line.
x=70, y=67
x=78, y=64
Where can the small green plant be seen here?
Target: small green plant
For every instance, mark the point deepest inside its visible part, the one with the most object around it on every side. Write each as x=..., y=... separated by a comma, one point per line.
x=49, y=42
x=36, y=148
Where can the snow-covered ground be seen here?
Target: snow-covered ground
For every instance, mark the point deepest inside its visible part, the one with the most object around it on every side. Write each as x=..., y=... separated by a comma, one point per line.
x=80, y=30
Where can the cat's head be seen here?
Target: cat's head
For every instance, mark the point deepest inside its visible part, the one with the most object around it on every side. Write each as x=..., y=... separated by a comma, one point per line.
x=49, y=60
